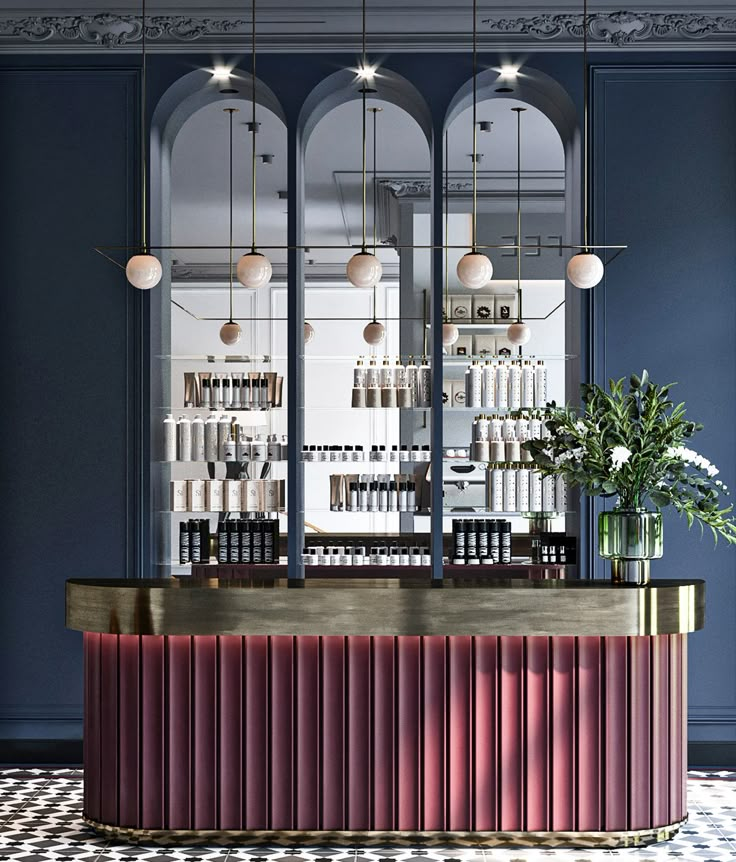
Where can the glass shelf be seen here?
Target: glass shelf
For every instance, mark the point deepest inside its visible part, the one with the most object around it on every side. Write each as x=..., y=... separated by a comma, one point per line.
x=548, y=357
x=451, y=512
x=505, y=410
x=223, y=512
x=248, y=461
x=363, y=409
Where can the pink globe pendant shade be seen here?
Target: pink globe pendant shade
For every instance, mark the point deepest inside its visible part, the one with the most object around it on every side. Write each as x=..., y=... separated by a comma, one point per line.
x=474, y=270
x=519, y=334
x=230, y=332
x=450, y=334
x=364, y=269
x=374, y=333
x=144, y=271
x=254, y=270
x=585, y=270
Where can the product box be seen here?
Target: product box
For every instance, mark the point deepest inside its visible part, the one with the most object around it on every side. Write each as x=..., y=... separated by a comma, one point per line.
x=505, y=307
x=253, y=498
x=215, y=495
x=458, y=393
x=503, y=346
x=484, y=308
x=179, y=495
x=461, y=308
x=446, y=396
x=463, y=346
x=484, y=346
x=195, y=488
x=233, y=500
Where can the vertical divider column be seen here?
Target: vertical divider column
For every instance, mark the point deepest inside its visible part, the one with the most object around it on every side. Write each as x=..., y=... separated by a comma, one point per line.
x=295, y=351
x=436, y=347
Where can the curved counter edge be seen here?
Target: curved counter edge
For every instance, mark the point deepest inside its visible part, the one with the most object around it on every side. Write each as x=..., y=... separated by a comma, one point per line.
x=475, y=608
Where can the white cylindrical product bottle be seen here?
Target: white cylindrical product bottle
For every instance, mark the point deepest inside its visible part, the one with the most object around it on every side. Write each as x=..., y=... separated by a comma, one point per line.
x=399, y=374
x=359, y=374
x=371, y=375
x=424, y=384
x=411, y=380
x=508, y=428
x=560, y=495
x=197, y=439
x=473, y=385
x=522, y=429
x=230, y=447
x=210, y=438
x=258, y=449
x=496, y=489
x=522, y=490
x=535, y=491
x=227, y=391
x=535, y=428
x=223, y=432
x=489, y=385
x=426, y=556
x=496, y=428
x=237, y=385
x=284, y=448
x=509, y=489
x=242, y=449
x=527, y=384
x=548, y=494
x=514, y=386
x=502, y=386
x=387, y=374
x=482, y=428
x=216, y=392
x=184, y=433
x=170, y=436
x=273, y=448
x=540, y=384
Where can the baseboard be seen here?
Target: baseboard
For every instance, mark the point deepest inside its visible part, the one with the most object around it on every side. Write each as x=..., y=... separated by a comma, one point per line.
x=710, y=754
x=41, y=752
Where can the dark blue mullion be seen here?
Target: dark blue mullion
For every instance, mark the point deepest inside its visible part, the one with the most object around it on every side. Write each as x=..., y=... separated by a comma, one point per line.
x=436, y=347
x=295, y=352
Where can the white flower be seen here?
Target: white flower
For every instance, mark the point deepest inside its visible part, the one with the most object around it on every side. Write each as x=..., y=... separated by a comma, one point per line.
x=619, y=456
x=580, y=427
x=690, y=456
x=712, y=470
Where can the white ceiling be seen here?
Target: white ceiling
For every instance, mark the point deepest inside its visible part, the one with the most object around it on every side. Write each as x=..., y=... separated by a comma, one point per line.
x=332, y=169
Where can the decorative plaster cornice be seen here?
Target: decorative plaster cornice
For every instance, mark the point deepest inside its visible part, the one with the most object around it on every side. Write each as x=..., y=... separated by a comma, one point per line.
x=222, y=31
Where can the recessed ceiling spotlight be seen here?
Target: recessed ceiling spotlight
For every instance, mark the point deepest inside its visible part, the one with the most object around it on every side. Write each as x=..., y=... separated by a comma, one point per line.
x=509, y=71
x=366, y=73
x=221, y=73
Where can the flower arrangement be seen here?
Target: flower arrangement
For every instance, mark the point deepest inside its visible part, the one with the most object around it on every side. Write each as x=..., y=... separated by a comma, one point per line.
x=630, y=442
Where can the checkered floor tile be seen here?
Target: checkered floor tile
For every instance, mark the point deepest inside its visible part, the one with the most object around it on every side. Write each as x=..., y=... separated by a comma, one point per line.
x=40, y=821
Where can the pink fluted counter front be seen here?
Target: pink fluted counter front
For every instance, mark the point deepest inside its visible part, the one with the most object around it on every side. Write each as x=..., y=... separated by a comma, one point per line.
x=471, y=729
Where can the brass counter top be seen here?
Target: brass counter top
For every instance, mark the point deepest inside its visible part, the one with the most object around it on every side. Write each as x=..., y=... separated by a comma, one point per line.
x=383, y=607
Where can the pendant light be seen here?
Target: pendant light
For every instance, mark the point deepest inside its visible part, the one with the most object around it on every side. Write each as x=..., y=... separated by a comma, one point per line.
x=364, y=269
x=308, y=332
x=254, y=269
x=230, y=332
x=474, y=269
x=450, y=332
x=585, y=269
x=518, y=333
x=375, y=332
x=143, y=270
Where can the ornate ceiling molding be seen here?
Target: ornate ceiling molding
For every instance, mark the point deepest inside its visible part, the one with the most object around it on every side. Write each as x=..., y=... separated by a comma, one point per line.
x=222, y=31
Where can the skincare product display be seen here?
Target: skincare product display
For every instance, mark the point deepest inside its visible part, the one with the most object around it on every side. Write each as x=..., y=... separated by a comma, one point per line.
x=372, y=493
x=248, y=390
x=228, y=495
x=512, y=385
x=220, y=438
x=252, y=541
x=498, y=439
x=514, y=489
x=194, y=541
x=363, y=555
x=391, y=384
x=481, y=542
x=552, y=549
x=482, y=308
x=376, y=454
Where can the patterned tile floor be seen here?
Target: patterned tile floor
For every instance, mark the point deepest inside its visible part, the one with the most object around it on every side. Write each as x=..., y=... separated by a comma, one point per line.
x=40, y=822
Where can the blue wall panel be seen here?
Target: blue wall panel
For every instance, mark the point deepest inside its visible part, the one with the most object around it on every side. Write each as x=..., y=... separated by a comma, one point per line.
x=68, y=331
x=665, y=182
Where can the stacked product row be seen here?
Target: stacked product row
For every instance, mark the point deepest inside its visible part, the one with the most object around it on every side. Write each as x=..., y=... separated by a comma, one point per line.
x=249, y=541
x=551, y=549
x=510, y=488
x=498, y=439
x=359, y=555
x=249, y=390
x=484, y=542
x=482, y=308
x=358, y=453
x=392, y=384
x=504, y=385
x=376, y=493
x=220, y=438
x=228, y=495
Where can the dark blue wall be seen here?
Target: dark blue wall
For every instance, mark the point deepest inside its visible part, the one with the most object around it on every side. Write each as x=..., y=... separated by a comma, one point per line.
x=666, y=185
x=73, y=332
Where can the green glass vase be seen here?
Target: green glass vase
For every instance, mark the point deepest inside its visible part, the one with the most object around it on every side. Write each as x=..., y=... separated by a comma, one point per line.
x=630, y=538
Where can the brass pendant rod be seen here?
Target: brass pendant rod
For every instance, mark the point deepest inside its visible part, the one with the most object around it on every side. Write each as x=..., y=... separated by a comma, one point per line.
x=144, y=175
x=518, y=112
x=586, y=153
x=447, y=224
x=475, y=127
x=254, y=128
x=231, y=111
x=363, y=91
x=375, y=111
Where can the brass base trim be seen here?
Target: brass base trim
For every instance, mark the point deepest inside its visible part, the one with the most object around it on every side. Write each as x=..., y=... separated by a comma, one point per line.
x=288, y=838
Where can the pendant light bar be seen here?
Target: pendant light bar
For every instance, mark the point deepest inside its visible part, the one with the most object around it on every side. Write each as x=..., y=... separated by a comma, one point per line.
x=450, y=332
x=374, y=332
x=518, y=333
x=230, y=332
x=586, y=131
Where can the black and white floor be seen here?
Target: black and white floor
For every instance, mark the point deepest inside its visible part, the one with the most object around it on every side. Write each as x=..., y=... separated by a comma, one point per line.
x=40, y=821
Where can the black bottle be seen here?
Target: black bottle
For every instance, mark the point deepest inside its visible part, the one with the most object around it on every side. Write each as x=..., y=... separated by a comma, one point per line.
x=245, y=542
x=233, y=542
x=184, y=553
x=256, y=535
x=505, y=541
x=222, y=556
x=458, y=537
x=204, y=540
x=269, y=536
x=494, y=543
x=195, y=542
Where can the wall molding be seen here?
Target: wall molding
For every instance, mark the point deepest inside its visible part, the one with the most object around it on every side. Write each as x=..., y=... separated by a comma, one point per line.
x=220, y=30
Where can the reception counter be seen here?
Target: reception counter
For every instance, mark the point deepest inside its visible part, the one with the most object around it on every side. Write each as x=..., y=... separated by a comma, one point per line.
x=491, y=711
